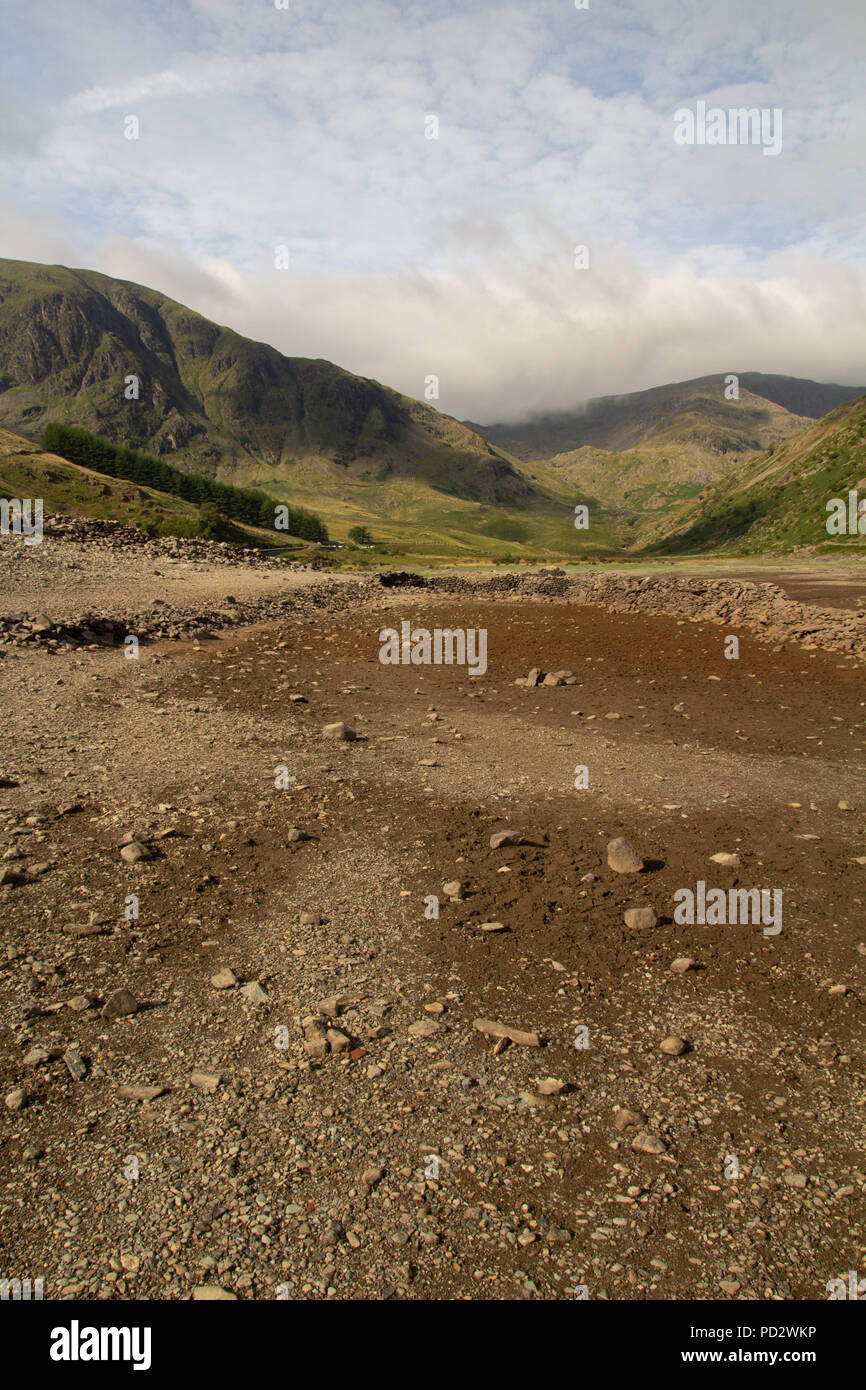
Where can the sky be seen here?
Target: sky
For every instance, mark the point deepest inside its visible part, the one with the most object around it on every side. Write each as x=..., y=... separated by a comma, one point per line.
x=308, y=127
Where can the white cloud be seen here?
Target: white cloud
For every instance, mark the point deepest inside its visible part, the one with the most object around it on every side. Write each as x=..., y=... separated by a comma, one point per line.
x=454, y=256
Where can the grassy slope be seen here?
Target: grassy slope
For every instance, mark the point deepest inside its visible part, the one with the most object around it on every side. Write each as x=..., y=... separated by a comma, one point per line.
x=777, y=501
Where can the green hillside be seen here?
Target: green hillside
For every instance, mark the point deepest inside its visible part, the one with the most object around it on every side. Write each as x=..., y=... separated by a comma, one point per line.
x=778, y=501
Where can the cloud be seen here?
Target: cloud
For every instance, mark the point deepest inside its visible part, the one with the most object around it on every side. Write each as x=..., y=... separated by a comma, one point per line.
x=455, y=256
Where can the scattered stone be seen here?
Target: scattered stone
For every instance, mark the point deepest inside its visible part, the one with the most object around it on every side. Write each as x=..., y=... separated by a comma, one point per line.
x=340, y=731
x=120, y=1004
x=254, y=994
x=75, y=1064
x=338, y=1041
x=683, y=963
x=645, y=1143
x=628, y=1119
x=315, y=1039
x=35, y=1057
x=142, y=1093
x=504, y=1030
x=206, y=1081
x=622, y=857
x=135, y=852
x=551, y=1086
x=505, y=837
x=425, y=1028
x=640, y=918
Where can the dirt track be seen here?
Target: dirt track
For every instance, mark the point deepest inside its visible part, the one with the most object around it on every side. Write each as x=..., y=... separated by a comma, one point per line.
x=260, y=1183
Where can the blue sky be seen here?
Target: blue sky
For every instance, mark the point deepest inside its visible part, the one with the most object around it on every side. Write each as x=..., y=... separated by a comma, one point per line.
x=408, y=256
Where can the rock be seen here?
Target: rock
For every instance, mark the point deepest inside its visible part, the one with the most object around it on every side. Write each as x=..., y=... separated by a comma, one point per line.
x=551, y=1086
x=730, y=1286
x=371, y=1176
x=131, y=1263
x=340, y=731
x=295, y=835
x=683, y=963
x=504, y=1030
x=613, y=715
x=535, y=676
x=254, y=994
x=212, y=1293
x=35, y=1057
x=142, y=1093
x=75, y=1064
x=640, y=918
x=120, y=1004
x=798, y=1180
x=15, y=1100
x=728, y=861
x=11, y=877
x=837, y=990
x=223, y=979
x=505, y=837
x=674, y=1046
x=310, y=919
x=135, y=852
x=435, y=1008
x=206, y=1081
x=628, y=1119
x=552, y=679
x=424, y=1028
x=492, y=926
x=645, y=1143
x=623, y=858
x=454, y=888
x=338, y=1041
x=315, y=1039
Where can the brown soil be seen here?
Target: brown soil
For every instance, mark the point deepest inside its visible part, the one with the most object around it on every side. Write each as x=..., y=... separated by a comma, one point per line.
x=259, y=1185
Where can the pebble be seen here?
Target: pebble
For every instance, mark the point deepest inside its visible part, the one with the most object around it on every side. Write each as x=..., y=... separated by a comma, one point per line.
x=622, y=857
x=640, y=918
x=254, y=994
x=674, y=1046
x=728, y=861
x=504, y=1030
x=135, y=852
x=628, y=1119
x=425, y=1028
x=645, y=1143
x=120, y=1004
x=206, y=1081
x=492, y=926
x=340, y=731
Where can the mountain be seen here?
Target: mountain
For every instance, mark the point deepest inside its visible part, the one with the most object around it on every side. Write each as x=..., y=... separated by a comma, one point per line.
x=217, y=403
x=777, y=502
x=694, y=412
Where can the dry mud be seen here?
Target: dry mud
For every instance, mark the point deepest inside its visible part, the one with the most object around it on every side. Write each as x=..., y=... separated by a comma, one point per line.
x=428, y=1162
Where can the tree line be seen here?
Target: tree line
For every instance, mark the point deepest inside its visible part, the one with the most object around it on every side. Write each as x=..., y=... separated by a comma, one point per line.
x=243, y=504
